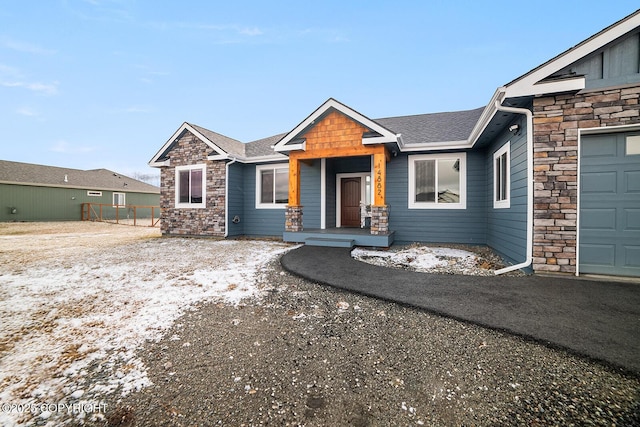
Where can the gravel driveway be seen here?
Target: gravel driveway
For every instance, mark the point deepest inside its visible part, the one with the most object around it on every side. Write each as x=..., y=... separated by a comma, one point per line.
x=296, y=353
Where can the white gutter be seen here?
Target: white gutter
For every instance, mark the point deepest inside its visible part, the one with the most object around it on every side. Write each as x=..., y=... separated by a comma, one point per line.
x=226, y=195
x=529, y=254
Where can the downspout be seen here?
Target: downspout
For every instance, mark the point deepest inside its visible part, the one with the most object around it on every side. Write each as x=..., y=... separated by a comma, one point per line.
x=529, y=254
x=226, y=195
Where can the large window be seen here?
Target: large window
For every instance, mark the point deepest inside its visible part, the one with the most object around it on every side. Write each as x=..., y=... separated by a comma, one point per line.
x=191, y=186
x=272, y=186
x=501, y=177
x=438, y=181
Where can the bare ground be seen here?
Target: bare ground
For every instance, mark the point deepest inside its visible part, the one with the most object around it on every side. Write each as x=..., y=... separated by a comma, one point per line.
x=303, y=354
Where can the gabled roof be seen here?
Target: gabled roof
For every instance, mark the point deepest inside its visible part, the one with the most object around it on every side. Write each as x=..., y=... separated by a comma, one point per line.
x=378, y=134
x=541, y=80
x=53, y=176
x=537, y=82
x=214, y=140
x=222, y=147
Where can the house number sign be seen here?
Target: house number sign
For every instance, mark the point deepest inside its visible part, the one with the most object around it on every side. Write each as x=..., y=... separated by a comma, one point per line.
x=378, y=180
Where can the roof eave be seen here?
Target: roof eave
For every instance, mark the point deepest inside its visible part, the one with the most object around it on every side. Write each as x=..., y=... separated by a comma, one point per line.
x=525, y=83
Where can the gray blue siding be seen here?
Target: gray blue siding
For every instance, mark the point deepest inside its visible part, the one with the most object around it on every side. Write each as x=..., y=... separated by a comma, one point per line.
x=236, y=199
x=259, y=222
x=507, y=228
x=438, y=225
x=310, y=196
x=617, y=64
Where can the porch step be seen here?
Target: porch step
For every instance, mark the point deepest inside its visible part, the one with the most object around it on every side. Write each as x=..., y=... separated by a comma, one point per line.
x=329, y=242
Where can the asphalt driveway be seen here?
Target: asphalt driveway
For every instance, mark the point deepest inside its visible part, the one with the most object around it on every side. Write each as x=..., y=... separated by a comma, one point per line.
x=597, y=319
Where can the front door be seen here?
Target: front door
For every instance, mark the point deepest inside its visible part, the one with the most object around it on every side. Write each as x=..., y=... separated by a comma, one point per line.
x=350, y=202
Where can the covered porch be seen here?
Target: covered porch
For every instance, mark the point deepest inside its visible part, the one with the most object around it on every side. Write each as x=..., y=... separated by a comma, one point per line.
x=339, y=201
x=357, y=210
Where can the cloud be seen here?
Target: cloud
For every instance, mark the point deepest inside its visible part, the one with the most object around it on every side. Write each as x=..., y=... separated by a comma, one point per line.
x=43, y=88
x=26, y=111
x=227, y=33
x=25, y=47
x=254, y=31
x=325, y=34
x=65, y=147
x=137, y=109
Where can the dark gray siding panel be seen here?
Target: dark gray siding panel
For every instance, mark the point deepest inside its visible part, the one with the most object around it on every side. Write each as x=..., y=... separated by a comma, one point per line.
x=616, y=64
x=310, y=194
x=259, y=222
x=438, y=225
x=507, y=228
x=236, y=199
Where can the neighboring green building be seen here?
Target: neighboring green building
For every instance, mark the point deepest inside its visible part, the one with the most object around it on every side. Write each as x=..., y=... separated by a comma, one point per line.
x=31, y=192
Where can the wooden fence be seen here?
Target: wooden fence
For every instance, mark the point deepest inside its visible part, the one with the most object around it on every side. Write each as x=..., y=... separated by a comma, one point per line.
x=126, y=214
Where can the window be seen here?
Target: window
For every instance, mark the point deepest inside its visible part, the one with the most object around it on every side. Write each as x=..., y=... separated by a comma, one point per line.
x=438, y=181
x=633, y=145
x=272, y=186
x=94, y=193
x=118, y=199
x=191, y=186
x=501, y=177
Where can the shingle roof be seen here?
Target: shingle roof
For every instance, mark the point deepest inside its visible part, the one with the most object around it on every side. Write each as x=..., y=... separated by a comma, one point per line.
x=53, y=176
x=434, y=127
x=229, y=145
x=263, y=147
x=415, y=129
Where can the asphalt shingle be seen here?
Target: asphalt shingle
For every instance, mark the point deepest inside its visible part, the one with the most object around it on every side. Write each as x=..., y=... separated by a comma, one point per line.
x=97, y=179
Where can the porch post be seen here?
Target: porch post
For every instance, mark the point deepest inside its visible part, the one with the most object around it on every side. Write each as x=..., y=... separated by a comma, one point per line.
x=380, y=210
x=293, y=212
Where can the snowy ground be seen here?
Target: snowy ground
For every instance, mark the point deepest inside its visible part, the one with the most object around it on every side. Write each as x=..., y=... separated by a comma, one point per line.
x=78, y=299
x=432, y=259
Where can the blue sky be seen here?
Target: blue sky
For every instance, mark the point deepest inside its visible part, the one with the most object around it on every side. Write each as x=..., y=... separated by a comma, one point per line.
x=104, y=83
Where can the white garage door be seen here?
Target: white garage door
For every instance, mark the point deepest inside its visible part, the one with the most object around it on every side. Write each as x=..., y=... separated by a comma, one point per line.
x=610, y=204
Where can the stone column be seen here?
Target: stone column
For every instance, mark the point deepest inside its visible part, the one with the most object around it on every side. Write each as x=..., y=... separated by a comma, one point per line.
x=379, y=220
x=293, y=218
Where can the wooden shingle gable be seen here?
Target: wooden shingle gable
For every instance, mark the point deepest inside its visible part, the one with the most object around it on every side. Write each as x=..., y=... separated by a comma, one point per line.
x=371, y=131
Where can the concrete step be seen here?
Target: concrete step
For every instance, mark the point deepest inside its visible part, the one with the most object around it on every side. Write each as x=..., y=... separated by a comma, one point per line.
x=329, y=242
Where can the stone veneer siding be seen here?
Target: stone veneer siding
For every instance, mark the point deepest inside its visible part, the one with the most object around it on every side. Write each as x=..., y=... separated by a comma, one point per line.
x=379, y=220
x=555, y=131
x=208, y=221
x=293, y=219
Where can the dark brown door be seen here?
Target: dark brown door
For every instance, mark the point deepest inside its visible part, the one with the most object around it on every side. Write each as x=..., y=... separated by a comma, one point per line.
x=350, y=202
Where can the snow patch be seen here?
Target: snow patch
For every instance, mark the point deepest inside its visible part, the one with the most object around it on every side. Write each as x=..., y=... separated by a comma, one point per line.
x=64, y=321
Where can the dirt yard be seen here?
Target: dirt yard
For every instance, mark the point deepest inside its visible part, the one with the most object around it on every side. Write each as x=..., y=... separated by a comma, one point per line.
x=110, y=325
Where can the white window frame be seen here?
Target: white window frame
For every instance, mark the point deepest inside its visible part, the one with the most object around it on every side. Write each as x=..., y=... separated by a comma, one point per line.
x=117, y=195
x=461, y=157
x=204, y=187
x=259, y=169
x=94, y=193
x=505, y=151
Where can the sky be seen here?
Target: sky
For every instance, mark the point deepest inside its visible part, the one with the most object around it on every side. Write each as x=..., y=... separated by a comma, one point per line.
x=90, y=84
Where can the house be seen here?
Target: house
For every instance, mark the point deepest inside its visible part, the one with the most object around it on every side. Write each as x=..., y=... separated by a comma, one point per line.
x=547, y=173
x=30, y=192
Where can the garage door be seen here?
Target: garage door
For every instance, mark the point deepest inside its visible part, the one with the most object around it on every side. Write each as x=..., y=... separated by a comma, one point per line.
x=610, y=204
